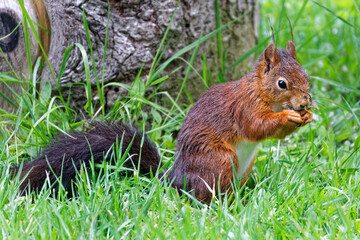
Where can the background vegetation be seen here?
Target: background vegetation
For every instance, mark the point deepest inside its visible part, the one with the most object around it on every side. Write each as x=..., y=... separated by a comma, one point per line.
x=304, y=187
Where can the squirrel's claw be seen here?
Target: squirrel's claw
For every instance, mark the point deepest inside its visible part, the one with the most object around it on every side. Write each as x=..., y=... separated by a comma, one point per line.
x=307, y=117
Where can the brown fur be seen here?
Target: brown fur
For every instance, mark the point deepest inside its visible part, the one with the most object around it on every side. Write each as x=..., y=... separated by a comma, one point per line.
x=241, y=110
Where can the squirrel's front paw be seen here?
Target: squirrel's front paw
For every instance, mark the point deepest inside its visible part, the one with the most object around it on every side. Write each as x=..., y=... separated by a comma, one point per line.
x=306, y=117
x=290, y=121
x=293, y=116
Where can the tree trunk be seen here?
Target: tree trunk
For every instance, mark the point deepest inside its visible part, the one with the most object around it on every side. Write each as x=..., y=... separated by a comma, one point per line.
x=12, y=44
x=136, y=29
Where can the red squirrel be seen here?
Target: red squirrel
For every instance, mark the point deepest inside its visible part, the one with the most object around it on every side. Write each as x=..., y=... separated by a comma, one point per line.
x=218, y=138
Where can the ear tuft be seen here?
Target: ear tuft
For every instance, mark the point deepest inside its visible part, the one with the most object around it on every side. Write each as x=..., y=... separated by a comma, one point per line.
x=290, y=49
x=271, y=58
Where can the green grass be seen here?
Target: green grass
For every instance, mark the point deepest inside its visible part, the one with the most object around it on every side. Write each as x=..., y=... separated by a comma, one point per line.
x=306, y=186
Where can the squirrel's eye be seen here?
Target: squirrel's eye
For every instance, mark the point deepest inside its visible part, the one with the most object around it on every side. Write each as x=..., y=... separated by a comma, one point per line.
x=282, y=84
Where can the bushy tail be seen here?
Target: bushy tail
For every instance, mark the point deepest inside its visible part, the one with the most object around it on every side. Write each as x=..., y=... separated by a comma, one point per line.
x=65, y=157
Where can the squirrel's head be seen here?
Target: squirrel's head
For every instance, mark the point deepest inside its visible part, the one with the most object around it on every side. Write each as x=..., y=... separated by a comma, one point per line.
x=284, y=84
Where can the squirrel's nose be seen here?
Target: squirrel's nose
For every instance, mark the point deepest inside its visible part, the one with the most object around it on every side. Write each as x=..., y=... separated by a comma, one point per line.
x=300, y=102
x=304, y=102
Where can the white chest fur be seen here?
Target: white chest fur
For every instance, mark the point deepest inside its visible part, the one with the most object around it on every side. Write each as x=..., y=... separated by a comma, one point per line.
x=245, y=151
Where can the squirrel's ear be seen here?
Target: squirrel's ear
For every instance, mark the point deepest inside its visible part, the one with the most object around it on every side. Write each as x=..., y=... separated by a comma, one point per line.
x=290, y=49
x=270, y=56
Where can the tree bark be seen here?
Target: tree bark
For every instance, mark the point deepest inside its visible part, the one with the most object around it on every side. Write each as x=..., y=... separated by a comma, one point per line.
x=135, y=31
x=12, y=44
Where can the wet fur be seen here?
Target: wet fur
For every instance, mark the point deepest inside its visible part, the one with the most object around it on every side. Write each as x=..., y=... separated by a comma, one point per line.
x=67, y=154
